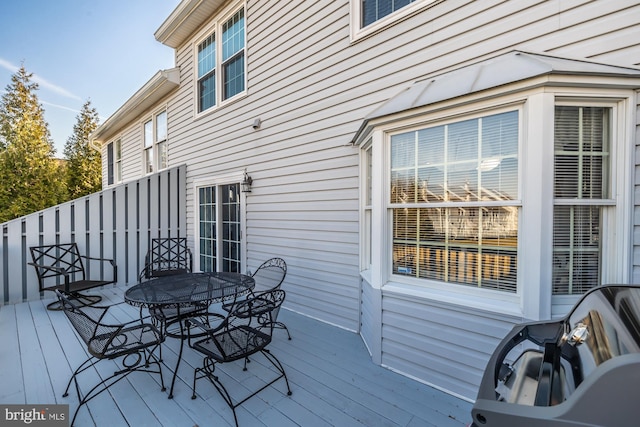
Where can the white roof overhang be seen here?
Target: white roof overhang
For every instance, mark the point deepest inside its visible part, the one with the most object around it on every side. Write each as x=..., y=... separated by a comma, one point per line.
x=185, y=20
x=159, y=86
x=509, y=72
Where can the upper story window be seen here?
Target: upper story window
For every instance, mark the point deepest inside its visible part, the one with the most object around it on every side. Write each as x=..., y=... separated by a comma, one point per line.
x=155, y=143
x=221, y=62
x=374, y=10
x=369, y=16
x=114, y=162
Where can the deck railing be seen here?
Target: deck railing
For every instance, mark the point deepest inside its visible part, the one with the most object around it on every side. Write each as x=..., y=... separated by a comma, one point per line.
x=117, y=223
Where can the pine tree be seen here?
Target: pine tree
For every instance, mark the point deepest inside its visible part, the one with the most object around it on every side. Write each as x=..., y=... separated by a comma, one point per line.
x=30, y=177
x=84, y=166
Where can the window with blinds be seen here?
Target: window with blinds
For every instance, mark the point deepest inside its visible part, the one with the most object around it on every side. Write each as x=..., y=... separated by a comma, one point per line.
x=455, y=204
x=581, y=196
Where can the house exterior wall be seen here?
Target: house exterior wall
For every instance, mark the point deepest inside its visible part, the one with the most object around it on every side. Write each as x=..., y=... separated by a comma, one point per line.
x=312, y=85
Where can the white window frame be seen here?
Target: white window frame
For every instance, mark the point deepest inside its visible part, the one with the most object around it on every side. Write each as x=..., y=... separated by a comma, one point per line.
x=116, y=167
x=616, y=217
x=358, y=32
x=216, y=181
x=216, y=27
x=153, y=145
x=536, y=117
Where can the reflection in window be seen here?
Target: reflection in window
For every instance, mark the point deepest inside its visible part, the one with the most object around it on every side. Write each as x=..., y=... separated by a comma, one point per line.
x=454, y=193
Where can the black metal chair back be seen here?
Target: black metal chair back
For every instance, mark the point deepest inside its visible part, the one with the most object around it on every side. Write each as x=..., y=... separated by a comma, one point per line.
x=270, y=274
x=61, y=267
x=247, y=330
x=135, y=341
x=167, y=256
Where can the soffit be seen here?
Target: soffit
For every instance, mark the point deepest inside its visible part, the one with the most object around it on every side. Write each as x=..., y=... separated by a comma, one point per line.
x=185, y=20
x=159, y=86
x=501, y=70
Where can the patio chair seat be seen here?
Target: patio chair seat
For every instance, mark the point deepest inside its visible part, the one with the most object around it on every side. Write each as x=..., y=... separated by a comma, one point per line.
x=268, y=277
x=247, y=330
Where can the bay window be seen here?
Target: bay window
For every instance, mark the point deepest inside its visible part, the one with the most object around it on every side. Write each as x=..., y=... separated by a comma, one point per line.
x=525, y=205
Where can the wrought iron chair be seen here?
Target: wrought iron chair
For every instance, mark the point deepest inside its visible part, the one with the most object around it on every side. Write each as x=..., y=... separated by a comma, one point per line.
x=269, y=276
x=134, y=342
x=247, y=330
x=61, y=267
x=168, y=255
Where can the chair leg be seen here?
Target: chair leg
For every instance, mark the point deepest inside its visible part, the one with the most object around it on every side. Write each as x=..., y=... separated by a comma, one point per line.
x=149, y=359
x=283, y=326
x=83, y=301
x=207, y=371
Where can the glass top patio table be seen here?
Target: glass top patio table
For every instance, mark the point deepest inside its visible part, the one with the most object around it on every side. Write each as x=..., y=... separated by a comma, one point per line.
x=182, y=290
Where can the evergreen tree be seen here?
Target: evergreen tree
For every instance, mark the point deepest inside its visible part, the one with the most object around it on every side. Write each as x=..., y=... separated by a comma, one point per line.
x=84, y=165
x=30, y=177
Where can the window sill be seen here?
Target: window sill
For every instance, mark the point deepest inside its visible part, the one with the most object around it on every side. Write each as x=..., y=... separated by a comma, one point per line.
x=358, y=33
x=492, y=302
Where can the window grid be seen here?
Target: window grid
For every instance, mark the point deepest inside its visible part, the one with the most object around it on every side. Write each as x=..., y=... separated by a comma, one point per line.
x=469, y=169
x=148, y=147
x=220, y=237
x=233, y=55
x=207, y=73
x=219, y=82
x=161, y=139
x=581, y=166
x=374, y=10
x=155, y=133
x=208, y=228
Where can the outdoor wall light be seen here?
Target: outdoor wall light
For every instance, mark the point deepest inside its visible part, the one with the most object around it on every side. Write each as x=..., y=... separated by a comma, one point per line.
x=256, y=123
x=246, y=183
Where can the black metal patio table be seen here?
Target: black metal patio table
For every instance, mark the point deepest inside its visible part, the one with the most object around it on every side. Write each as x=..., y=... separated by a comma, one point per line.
x=183, y=292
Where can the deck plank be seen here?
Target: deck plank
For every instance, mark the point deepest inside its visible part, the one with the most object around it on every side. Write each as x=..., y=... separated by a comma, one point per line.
x=11, y=381
x=333, y=380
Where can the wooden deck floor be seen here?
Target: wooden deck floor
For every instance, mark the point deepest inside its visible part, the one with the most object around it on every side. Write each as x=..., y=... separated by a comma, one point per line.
x=333, y=380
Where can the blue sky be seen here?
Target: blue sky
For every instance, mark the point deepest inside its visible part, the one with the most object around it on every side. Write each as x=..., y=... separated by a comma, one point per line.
x=79, y=50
